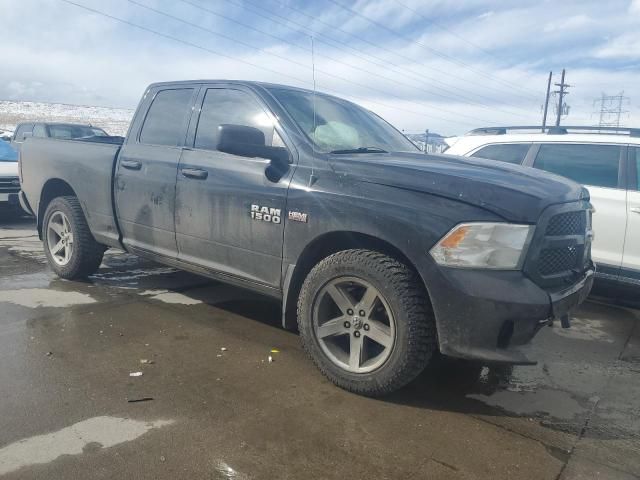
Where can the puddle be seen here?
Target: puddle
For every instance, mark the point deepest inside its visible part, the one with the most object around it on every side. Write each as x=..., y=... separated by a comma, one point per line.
x=225, y=472
x=541, y=402
x=42, y=297
x=171, y=297
x=88, y=435
x=25, y=244
x=585, y=329
x=131, y=275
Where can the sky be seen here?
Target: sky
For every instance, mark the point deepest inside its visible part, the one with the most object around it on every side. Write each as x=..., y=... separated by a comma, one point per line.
x=443, y=65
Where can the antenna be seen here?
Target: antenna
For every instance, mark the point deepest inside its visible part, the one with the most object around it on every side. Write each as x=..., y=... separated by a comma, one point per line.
x=312, y=177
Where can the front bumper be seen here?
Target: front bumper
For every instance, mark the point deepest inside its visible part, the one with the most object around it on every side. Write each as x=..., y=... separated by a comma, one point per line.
x=484, y=315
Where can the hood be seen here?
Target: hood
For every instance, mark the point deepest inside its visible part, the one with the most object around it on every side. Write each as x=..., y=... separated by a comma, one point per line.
x=516, y=193
x=7, y=152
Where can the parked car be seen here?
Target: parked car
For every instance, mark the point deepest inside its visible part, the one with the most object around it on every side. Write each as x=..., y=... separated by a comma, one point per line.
x=382, y=254
x=54, y=130
x=9, y=182
x=605, y=160
x=6, y=135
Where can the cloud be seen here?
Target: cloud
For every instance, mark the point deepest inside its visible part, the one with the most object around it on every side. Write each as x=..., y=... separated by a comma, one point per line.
x=574, y=22
x=625, y=46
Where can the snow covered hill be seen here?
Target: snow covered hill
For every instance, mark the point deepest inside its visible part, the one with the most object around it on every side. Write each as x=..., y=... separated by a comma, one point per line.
x=114, y=120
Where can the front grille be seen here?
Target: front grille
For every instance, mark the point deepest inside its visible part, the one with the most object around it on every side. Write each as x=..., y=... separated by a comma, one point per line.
x=9, y=185
x=557, y=260
x=559, y=252
x=568, y=223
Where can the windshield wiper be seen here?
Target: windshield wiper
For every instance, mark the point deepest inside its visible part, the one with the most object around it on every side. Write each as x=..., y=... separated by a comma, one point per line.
x=360, y=150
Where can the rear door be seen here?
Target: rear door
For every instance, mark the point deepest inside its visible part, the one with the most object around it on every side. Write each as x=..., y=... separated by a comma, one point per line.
x=600, y=169
x=146, y=171
x=631, y=258
x=229, y=215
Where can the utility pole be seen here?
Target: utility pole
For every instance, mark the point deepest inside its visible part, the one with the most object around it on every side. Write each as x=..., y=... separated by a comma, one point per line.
x=546, y=103
x=610, y=109
x=561, y=93
x=426, y=140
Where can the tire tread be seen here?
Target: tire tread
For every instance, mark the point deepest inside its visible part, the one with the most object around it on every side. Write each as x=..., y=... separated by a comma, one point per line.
x=87, y=251
x=418, y=313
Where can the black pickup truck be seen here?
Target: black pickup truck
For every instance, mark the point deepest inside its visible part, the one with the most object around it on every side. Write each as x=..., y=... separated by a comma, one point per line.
x=381, y=255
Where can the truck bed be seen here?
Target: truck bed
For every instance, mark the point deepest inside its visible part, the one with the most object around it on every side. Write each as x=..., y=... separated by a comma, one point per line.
x=47, y=165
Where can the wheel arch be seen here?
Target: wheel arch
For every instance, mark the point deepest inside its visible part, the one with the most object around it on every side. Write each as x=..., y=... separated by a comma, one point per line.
x=323, y=246
x=53, y=188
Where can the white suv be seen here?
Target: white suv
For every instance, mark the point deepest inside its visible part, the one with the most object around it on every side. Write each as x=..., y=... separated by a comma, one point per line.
x=605, y=160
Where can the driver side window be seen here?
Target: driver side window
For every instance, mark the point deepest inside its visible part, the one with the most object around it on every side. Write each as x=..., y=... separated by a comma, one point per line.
x=229, y=106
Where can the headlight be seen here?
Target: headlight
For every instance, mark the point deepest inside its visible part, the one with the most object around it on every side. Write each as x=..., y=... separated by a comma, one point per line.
x=500, y=246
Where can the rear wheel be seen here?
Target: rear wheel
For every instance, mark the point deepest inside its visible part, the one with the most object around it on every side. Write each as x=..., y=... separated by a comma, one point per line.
x=71, y=250
x=365, y=320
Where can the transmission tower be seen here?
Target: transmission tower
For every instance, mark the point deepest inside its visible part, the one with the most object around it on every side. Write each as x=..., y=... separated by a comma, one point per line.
x=610, y=109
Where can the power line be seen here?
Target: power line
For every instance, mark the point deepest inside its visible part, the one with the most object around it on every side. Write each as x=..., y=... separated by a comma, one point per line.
x=351, y=66
x=435, y=52
x=457, y=35
x=213, y=52
x=420, y=75
x=294, y=62
x=448, y=30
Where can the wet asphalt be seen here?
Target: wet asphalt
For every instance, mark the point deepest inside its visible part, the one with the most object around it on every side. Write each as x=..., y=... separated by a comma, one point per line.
x=210, y=405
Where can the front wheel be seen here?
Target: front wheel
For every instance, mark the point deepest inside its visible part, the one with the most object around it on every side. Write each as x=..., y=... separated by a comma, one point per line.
x=70, y=248
x=365, y=320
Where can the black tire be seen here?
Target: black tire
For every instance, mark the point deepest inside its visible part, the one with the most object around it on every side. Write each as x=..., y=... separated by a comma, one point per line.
x=404, y=293
x=86, y=254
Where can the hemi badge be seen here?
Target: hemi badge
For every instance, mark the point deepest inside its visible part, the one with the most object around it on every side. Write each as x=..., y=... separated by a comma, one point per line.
x=298, y=216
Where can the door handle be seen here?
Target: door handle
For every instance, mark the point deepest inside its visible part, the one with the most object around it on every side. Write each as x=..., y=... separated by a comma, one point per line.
x=131, y=164
x=195, y=173
x=635, y=209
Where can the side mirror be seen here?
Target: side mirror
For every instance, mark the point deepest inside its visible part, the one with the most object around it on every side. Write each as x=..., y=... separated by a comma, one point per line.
x=249, y=142
x=26, y=135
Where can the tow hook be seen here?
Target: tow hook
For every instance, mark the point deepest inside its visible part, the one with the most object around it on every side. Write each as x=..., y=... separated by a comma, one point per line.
x=565, y=321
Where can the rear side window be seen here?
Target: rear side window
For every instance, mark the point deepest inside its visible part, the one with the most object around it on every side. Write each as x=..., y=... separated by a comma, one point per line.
x=39, y=131
x=167, y=117
x=595, y=165
x=508, y=152
x=22, y=129
x=229, y=106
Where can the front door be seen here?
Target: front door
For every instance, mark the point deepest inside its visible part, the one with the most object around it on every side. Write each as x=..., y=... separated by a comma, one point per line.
x=229, y=215
x=631, y=258
x=146, y=173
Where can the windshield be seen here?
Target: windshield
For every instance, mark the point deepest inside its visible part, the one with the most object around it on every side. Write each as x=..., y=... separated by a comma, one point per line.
x=7, y=153
x=75, y=131
x=341, y=126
